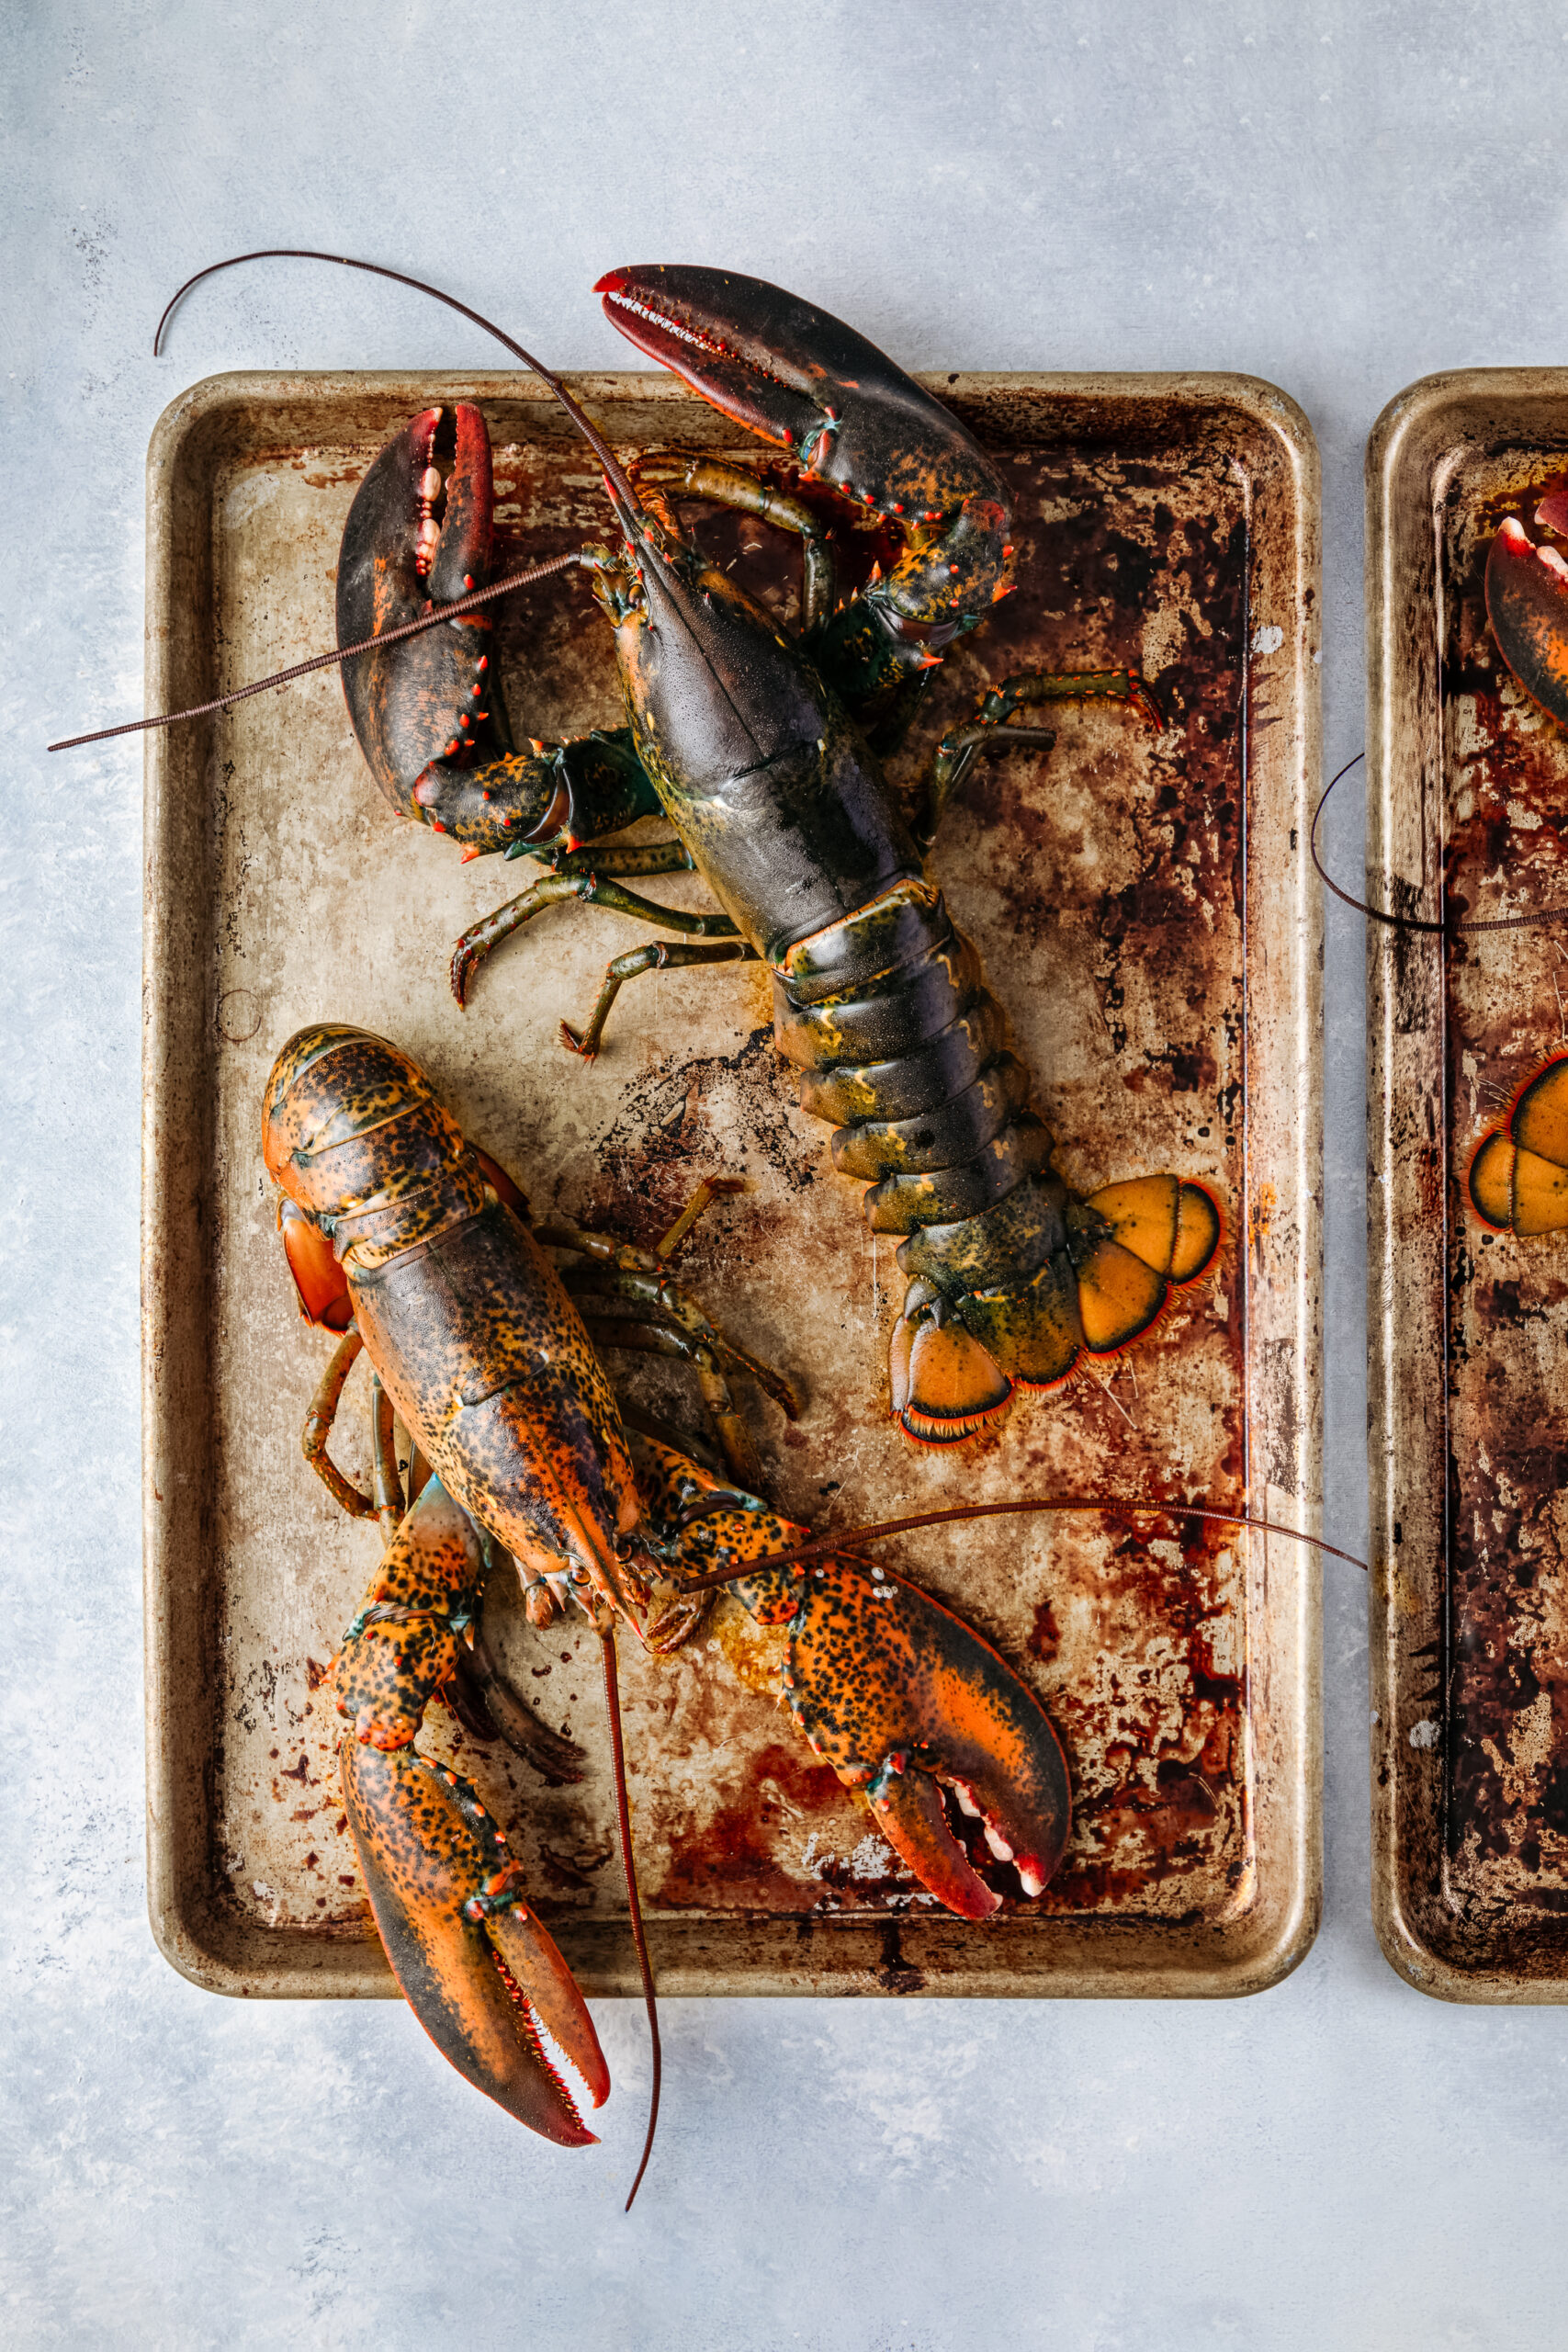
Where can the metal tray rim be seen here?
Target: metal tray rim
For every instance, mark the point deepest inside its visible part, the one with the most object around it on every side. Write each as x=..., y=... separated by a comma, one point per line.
x=195, y=1942
x=1429, y=411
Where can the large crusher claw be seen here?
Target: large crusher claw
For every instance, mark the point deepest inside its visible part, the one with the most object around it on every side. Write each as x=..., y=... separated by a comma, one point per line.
x=903, y=1698
x=1527, y=603
x=476, y=1967
x=803, y=380
x=896, y=1692
x=428, y=712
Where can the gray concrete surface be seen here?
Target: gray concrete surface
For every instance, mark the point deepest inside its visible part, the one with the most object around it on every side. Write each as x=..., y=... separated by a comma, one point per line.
x=1338, y=197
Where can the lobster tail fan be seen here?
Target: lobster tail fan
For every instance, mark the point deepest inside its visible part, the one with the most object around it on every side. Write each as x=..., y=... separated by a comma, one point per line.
x=1492, y=1181
x=1518, y=1177
x=1539, y=1123
x=945, y=1385
x=1157, y=1233
x=1199, y=1230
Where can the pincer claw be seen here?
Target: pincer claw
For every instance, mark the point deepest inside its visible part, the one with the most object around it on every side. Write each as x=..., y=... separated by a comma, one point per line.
x=418, y=532
x=848, y=414
x=1527, y=603
x=903, y=1698
x=475, y=1966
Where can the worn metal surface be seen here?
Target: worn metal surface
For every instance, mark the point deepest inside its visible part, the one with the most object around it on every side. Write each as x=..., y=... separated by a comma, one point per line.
x=1469, y=794
x=1144, y=920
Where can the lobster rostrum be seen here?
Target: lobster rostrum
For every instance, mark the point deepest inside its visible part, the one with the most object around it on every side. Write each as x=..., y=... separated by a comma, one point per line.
x=416, y=1248
x=760, y=751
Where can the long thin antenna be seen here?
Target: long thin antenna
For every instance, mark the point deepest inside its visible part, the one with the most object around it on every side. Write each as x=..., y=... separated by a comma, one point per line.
x=578, y=414
x=432, y=620
x=623, y=1814
x=1414, y=923
x=1116, y=1506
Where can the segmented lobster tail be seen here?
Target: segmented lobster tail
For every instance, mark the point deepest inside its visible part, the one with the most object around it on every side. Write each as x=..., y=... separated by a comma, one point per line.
x=1014, y=1279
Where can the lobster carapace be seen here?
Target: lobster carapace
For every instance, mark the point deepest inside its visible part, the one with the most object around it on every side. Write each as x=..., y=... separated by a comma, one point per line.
x=416, y=1248
x=764, y=753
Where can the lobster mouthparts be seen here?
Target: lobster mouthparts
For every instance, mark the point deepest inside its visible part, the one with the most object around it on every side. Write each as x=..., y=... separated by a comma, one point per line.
x=901, y=1697
x=1527, y=603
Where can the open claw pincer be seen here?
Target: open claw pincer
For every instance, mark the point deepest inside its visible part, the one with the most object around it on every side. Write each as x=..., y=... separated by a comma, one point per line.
x=903, y=1699
x=809, y=384
x=476, y=1967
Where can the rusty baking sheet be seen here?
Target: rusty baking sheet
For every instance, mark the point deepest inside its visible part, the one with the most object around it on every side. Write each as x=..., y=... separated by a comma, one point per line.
x=1467, y=793
x=1144, y=917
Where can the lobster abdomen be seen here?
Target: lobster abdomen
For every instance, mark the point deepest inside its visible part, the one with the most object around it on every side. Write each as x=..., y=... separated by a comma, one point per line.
x=903, y=1050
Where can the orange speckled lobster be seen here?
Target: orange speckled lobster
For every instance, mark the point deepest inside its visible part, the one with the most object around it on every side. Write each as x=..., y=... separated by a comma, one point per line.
x=418, y=1249
x=763, y=754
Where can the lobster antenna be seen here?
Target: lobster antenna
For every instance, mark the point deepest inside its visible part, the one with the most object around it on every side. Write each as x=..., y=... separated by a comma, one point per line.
x=624, y=494
x=1414, y=923
x=432, y=620
x=852, y=1537
x=624, y=1817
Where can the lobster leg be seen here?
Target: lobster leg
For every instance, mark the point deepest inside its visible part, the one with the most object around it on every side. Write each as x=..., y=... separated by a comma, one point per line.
x=475, y=1966
x=992, y=730
x=318, y=1429
x=659, y=956
x=386, y=1484
x=660, y=1337
x=733, y=487
x=670, y=1303
x=593, y=890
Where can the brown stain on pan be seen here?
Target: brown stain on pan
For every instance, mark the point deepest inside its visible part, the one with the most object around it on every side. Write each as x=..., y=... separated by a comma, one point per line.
x=1104, y=887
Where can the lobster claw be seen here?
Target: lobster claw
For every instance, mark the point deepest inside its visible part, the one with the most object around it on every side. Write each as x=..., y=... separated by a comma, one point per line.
x=418, y=528
x=475, y=1966
x=1527, y=603
x=802, y=380
x=428, y=713
x=901, y=1697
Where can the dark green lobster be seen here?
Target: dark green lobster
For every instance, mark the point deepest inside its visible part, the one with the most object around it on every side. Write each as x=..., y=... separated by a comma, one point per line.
x=763, y=754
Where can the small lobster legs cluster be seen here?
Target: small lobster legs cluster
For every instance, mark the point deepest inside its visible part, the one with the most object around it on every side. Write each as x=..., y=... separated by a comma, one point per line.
x=762, y=753
x=414, y=1246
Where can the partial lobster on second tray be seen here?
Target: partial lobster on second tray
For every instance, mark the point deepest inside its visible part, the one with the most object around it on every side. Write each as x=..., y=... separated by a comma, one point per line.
x=419, y=1250
x=766, y=756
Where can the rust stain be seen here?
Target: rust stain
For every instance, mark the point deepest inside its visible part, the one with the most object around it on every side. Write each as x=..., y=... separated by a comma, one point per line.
x=1103, y=883
x=1497, y=1681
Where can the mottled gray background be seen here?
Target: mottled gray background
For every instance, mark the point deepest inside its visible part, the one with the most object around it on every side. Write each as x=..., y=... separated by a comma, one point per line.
x=1339, y=195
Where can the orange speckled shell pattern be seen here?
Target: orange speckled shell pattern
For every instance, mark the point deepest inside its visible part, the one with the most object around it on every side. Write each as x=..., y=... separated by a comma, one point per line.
x=354, y=1132
x=463, y=1317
